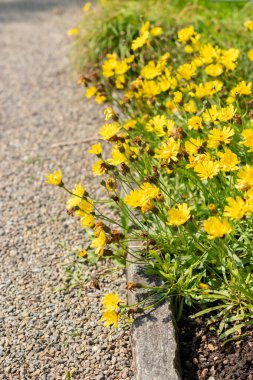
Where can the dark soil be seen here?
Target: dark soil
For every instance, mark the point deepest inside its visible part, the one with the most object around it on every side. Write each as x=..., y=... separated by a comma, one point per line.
x=204, y=356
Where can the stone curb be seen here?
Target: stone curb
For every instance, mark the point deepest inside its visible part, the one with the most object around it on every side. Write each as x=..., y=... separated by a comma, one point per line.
x=154, y=337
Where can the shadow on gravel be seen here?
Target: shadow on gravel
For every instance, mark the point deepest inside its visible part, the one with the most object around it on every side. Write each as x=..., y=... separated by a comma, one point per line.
x=21, y=10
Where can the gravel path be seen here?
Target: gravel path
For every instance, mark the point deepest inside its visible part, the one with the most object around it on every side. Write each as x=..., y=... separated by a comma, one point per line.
x=46, y=334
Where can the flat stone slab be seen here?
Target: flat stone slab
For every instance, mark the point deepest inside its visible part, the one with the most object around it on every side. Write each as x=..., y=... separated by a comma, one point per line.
x=154, y=338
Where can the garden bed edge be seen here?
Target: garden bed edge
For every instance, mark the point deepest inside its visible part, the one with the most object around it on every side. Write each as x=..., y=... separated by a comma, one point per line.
x=154, y=334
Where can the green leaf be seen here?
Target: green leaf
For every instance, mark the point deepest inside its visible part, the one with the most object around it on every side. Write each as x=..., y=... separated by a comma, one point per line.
x=208, y=310
x=119, y=262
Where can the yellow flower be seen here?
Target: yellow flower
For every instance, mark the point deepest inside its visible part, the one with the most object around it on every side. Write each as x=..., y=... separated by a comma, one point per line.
x=86, y=7
x=120, y=81
x=184, y=35
x=226, y=113
x=121, y=67
x=110, y=302
x=133, y=198
x=195, y=122
x=179, y=214
x=160, y=125
x=186, y=71
x=236, y=208
x=249, y=194
x=85, y=207
x=99, y=242
x=207, y=169
x=166, y=81
x=247, y=134
x=129, y=124
x=204, y=286
x=242, y=88
x=145, y=27
x=208, y=52
x=250, y=54
x=188, y=49
x=214, y=70
x=91, y=91
x=248, y=24
x=170, y=105
x=192, y=146
x=190, y=107
x=99, y=168
x=55, y=178
x=129, y=59
x=73, y=32
x=150, y=71
x=96, y=149
x=110, y=318
x=168, y=150
x=109, y=113
x=245, y=178
x=178, y=96
x=211, y=114
x=216, y=227
x=82, y=252
x=109, y=65
x=228, y=58
x=249, y=201
x=156, y=31
x=117, y=157
x=146, y=205
x=219, y=136
x=195, y=160
x=140, y=41
x=150, y=88
x=99, y=99
x=77, y=197
x=142, y=197
x=87, y=221
x=198, y=61
x=163, y=59
x=150, y=190
x=109, y=130
x=228, y=160
x=207, y=89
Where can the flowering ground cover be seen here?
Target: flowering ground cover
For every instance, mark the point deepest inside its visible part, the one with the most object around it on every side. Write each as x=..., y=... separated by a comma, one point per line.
x=175, y=159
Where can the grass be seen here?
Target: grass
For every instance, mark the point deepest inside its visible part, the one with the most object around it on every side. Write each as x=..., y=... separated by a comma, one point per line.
x=111, y=28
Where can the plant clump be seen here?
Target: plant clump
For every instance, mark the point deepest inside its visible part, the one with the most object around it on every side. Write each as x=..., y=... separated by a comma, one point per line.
x=179, y=174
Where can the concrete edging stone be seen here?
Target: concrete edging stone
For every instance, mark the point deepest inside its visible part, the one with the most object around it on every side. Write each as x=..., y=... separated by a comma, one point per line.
x=154, y=334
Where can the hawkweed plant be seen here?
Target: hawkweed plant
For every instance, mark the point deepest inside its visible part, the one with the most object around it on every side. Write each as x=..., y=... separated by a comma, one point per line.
x=179, y=174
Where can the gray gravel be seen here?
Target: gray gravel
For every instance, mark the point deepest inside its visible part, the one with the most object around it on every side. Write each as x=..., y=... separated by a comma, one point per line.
x=45, y=334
